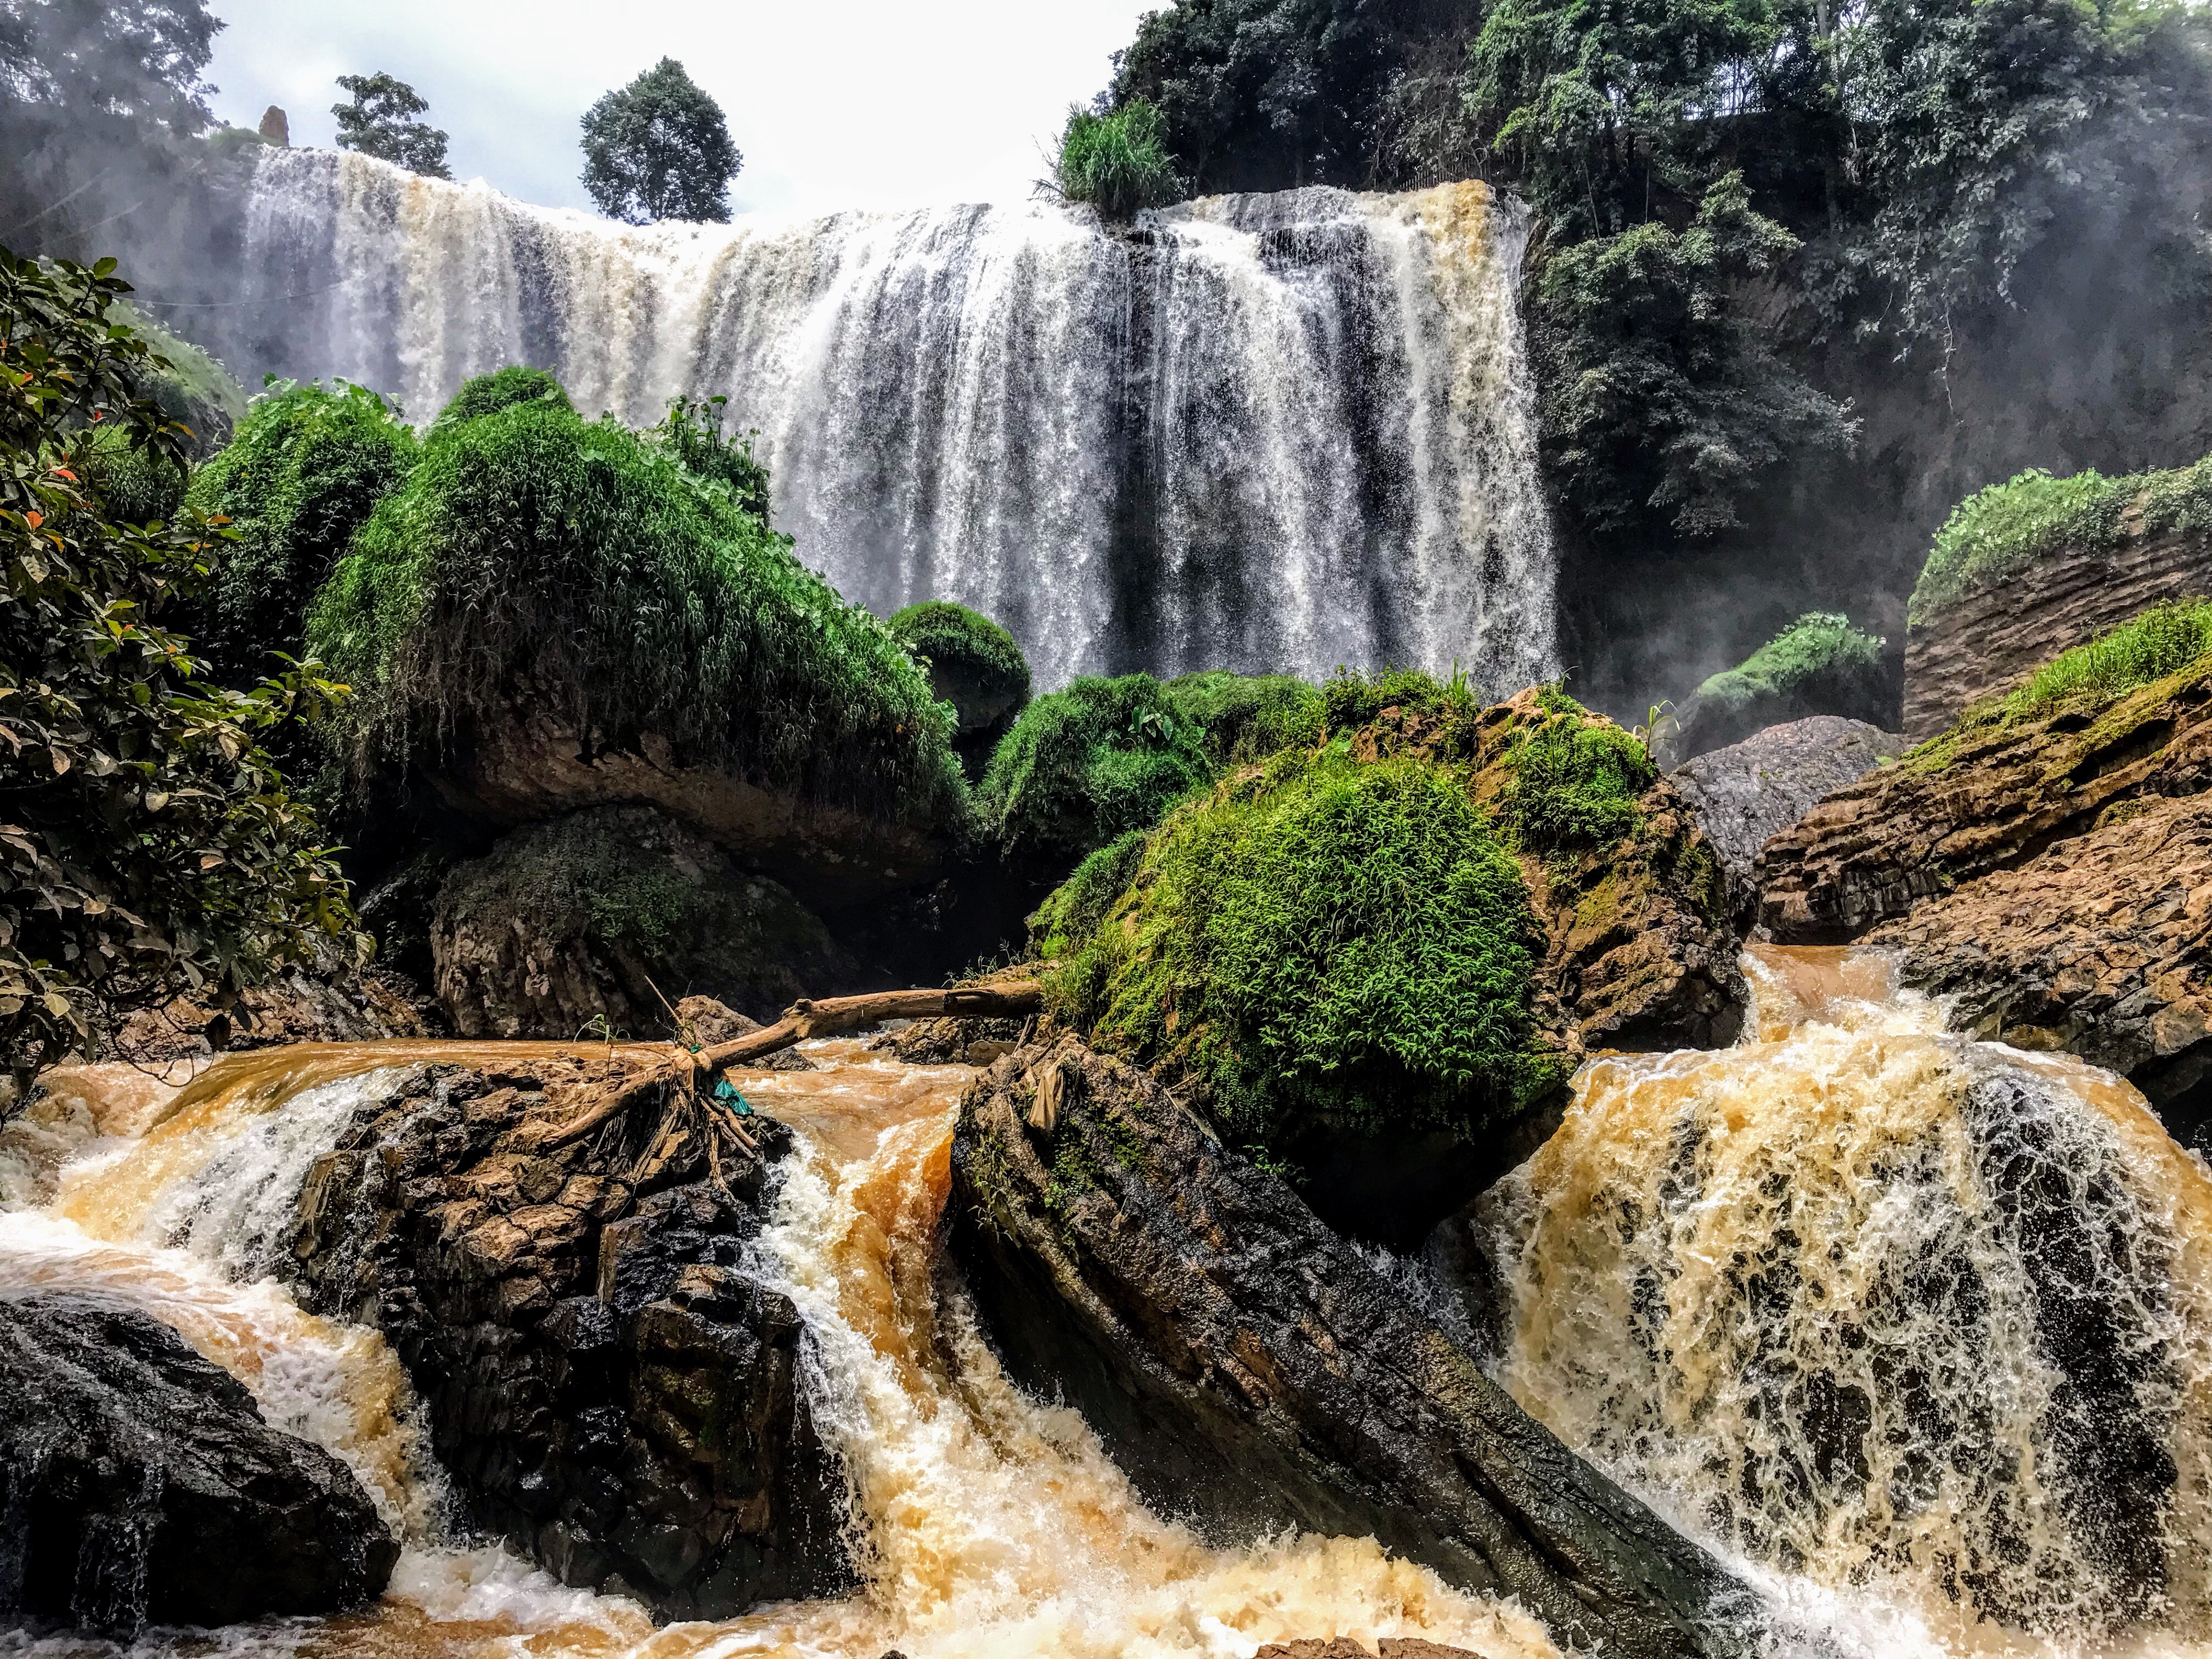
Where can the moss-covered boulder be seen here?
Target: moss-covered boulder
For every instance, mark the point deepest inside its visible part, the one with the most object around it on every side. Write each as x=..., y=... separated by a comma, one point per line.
x=504, y=388
x=1819, y=665
x=552, y=614
x=589, y=921
x=307, y=468
x=1383, y=954
x=974, y=665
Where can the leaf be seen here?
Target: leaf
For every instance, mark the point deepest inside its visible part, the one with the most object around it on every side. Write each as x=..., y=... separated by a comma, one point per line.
x=209, y=860
x=56, y=1005
x=60, y=758
x=35, y=520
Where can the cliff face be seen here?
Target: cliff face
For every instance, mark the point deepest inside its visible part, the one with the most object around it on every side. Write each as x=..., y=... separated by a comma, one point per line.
x=1988, y=639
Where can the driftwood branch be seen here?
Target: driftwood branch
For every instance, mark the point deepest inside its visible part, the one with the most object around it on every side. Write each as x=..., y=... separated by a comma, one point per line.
x=831, y=1017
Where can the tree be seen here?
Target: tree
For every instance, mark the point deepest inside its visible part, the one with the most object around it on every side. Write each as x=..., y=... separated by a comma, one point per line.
x=660, y=149
x=148, y=847
x=380, y=122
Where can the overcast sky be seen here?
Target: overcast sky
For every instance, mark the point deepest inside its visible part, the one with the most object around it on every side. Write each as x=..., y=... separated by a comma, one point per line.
x=836, y=103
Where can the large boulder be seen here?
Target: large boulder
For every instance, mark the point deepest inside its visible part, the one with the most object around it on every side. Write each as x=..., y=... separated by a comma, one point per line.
x=139, y=1484
x=1250, y=1368
x=1750, y=791
x=608, y=1387
x=601, y=914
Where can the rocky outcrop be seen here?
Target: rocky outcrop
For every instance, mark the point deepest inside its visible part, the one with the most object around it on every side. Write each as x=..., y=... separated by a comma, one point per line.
x=1753, y=790
x=2101, y=945
x=608, y=1387
x=566, y=924
x=526, y=765
x=1250, y=1369
x=330, y=1000
x=1989, y=638
x=1987, y=796
x=952, y=1041
x=139, y=1484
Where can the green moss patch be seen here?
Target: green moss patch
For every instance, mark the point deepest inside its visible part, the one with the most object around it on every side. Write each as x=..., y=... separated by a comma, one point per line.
x=1248, y=717
x=973, y=663
x=1323, y=942
x=1820, y=646
x=503, y=388
x=1996, y=533
x=532, y=552
x=1572, y=780
x=305, y=470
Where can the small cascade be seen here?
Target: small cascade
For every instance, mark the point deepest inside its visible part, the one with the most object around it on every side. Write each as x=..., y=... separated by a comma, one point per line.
x=1920, y=1323
x=1258, y=432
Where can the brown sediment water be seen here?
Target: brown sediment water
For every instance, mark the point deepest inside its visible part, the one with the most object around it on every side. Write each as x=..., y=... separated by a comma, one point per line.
x=1918, y=1330
x=989, y=1523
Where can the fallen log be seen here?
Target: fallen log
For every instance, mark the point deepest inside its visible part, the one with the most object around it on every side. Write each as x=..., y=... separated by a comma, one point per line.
x=830, y=1017
x=834, y=1016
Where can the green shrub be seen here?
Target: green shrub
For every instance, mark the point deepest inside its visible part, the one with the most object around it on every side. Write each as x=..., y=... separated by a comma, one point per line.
x=581, y=555
x=973, y=663
x=503, y=388
x=1087, y=764
x=1819, y=643
x=1248, y=717
x=136, y=485
x=2164, y=640
x=1996, y=533
x=307, y=467
x=1575, y=782
x=1325, y=944
x=1118, y=162
x=692, y=432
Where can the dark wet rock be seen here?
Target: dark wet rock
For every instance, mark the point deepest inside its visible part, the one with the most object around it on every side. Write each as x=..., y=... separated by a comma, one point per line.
x=952, y=1041
x=1250, y=1368
x=1753, y=790
x=704, y=1023
x=331, y=999
x=609, y=1388
x=566, y=924
x=139, y=1484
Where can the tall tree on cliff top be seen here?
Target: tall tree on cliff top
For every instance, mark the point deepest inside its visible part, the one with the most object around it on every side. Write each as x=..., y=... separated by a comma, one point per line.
x=380, y=122
x=660, y=149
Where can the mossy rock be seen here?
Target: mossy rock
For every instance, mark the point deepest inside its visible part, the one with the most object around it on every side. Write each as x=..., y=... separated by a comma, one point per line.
x=305, y=472
x=540, y=571
x=1820, y=664
x=505, y=388
x=599, y=916
x=1401, y=939
x=974, y=665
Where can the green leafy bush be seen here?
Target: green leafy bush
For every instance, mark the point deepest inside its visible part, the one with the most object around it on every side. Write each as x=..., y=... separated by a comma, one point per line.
x=1324, y=943
x=487, y=394
x=692, y=432
x=148, y=845
x=1996, y=533
x=1575, y=780
x=1819, y=643
x=307, y=469
x=1117, y=161
x=1086, y=765
x=584, y=557
x=1248, y=717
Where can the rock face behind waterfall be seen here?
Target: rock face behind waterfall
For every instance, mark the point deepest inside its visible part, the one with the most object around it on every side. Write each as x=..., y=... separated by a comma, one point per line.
x=139, y=1484
x=1248, y=1367
x=609, y=1390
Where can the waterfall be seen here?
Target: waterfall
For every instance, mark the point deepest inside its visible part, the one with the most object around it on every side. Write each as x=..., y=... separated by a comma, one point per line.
x=1920, y=1321
x=1260, y=433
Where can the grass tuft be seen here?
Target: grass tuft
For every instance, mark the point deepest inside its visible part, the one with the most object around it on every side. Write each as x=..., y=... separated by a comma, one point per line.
x=1117, y=161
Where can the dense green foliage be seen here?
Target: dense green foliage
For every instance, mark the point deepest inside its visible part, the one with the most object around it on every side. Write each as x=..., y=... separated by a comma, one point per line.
x=532, y=545
x=659, y=148
x=1247, y=717
x=692, y=433
x=1895, y=172
x=1073, y=910
x=307, y=467
x=1574, y=780
x=148, y=845
x=1819, y=645
x=2164, y=640
x=380, y=121
x=1117, y=161
x=1087, y=764
x=1998, y=531
x=1321, y=942
x=487, y=394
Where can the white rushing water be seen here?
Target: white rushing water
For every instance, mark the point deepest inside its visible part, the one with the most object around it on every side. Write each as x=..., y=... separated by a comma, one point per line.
x=1258, y=432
